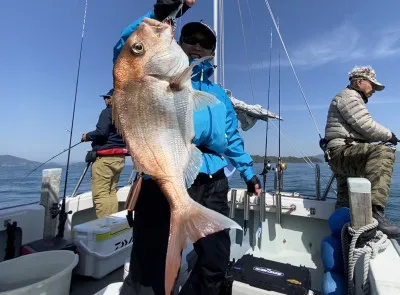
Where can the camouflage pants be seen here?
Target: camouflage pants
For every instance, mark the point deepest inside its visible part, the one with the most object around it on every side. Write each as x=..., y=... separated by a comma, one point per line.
x=373, y=162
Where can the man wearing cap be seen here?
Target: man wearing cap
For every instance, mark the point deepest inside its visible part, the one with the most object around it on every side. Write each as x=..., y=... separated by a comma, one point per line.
x=109, y=163
x=216, y=135
x=350, y=130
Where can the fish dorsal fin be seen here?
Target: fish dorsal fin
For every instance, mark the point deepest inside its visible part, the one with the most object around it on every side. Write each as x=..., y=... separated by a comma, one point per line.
x=178, y=81
x=193, y=166
x=202, y=99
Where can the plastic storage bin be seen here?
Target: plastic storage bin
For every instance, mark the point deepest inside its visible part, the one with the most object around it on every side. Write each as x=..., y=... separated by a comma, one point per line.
x=103, y=244
x=46, y=272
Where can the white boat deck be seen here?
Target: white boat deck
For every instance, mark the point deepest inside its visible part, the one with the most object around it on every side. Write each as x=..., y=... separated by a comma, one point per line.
x=81, y=285
x=296, y=240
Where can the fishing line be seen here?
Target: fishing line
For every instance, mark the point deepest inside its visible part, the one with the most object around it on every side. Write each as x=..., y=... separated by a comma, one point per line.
x=245, y=48
x=266, y=168
x=291, y=65
x=76, y=93
x=306, y=159
x=62, y=214
x=51, y=159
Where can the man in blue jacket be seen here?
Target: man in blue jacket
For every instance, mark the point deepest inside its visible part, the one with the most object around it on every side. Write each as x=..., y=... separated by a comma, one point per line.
x=110, y=151
x=216, y=139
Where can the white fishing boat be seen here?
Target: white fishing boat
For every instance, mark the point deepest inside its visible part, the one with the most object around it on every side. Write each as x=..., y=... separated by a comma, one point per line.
x=285, y=229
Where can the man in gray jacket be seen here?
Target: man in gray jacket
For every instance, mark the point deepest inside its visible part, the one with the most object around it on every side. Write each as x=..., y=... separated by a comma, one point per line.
x=350, y=130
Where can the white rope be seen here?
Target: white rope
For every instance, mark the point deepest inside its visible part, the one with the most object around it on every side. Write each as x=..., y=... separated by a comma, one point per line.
x=291, y=64
x=351, y=254
x=247, y=54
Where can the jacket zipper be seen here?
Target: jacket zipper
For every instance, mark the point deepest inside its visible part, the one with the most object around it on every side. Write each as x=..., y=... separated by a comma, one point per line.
x=201, y=81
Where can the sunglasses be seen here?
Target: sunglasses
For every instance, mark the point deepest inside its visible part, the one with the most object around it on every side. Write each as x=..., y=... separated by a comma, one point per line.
x=204, y=43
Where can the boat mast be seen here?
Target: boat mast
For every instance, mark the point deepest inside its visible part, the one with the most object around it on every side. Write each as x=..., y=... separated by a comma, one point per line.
x=215, y=60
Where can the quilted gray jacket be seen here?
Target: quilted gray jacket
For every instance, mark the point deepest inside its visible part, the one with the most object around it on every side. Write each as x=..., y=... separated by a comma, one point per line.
x=348, y=117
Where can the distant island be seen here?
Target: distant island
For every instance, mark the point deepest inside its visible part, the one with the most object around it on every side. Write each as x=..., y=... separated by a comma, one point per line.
x=12, y=161
x=289, y=159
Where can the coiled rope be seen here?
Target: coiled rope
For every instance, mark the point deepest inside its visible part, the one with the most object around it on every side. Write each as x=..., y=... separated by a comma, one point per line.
x=351, y=254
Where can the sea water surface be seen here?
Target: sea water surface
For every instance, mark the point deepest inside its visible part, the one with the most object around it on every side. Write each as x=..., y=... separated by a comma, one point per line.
x=299, y=177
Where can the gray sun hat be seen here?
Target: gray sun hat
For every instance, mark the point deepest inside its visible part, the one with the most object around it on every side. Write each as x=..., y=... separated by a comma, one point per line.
x=368, y=73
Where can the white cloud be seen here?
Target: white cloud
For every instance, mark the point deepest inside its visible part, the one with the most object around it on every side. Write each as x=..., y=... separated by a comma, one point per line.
x=342, y=44
x=389, y=44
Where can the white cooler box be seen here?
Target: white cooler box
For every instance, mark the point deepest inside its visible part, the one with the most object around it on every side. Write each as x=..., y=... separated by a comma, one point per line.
x=103, y=244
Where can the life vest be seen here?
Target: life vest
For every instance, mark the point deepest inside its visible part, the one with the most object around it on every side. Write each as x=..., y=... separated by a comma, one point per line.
x=113, y=152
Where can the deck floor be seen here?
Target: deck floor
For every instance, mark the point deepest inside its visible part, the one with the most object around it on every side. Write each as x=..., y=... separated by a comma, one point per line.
x=81, y=285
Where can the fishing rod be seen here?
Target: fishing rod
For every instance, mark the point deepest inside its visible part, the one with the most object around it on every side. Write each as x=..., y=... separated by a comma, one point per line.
x=51, y=159
x=280, y=166
x=267, y=165
x=62, y=215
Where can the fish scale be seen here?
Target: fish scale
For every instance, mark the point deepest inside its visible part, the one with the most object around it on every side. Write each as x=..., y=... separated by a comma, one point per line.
x=153, y=108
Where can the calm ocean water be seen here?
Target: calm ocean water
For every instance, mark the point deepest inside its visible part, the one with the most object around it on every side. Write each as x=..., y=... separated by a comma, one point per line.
x=298, y=178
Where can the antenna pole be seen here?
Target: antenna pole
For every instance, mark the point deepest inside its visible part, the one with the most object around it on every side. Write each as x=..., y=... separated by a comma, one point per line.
x=215, y=13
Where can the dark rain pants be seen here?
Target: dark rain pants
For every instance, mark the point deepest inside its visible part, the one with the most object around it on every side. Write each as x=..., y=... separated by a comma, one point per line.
x=150, y=241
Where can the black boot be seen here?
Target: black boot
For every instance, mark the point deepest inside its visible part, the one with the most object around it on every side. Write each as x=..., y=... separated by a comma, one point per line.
x=383, y=224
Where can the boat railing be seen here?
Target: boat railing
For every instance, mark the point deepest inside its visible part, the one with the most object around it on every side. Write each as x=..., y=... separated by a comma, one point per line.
x=20, y=205
x=323, y=196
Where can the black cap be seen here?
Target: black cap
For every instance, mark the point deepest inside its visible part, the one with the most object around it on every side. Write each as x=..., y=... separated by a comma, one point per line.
x=109, y=93
x=193, y=27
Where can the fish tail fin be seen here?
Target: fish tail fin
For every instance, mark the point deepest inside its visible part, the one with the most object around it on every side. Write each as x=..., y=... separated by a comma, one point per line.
x=201, y=222
x=194, y=223
x=177, y=242
x=189, y=219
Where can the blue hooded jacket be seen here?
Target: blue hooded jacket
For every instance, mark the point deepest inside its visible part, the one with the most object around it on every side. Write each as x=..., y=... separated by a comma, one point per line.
x=213, y=130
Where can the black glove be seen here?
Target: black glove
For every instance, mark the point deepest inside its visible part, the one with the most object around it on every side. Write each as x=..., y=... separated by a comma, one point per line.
x=394, y=139
x=164, y=8
x=251, y=184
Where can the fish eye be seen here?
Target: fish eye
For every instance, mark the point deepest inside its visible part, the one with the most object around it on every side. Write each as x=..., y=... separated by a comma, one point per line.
x=138, y=48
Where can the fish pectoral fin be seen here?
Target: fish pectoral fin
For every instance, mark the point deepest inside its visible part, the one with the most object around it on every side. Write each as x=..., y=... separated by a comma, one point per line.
x=193, y=166
x=201, y=222
x=178, y=81
x=203, y=99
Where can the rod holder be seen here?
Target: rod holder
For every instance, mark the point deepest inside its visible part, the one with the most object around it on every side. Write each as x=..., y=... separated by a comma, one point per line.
x=78, y=184
x=246, y=208
x=318, y=181
x=278, y=200
x=233, y=203
x=262, y=207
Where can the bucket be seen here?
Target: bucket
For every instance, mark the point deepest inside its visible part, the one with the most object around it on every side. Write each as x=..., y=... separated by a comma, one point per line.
x=126, y=268
x=112, y=289
x=46, y=272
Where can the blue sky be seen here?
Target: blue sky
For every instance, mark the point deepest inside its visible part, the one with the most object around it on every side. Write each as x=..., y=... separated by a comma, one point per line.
x=325, y=39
